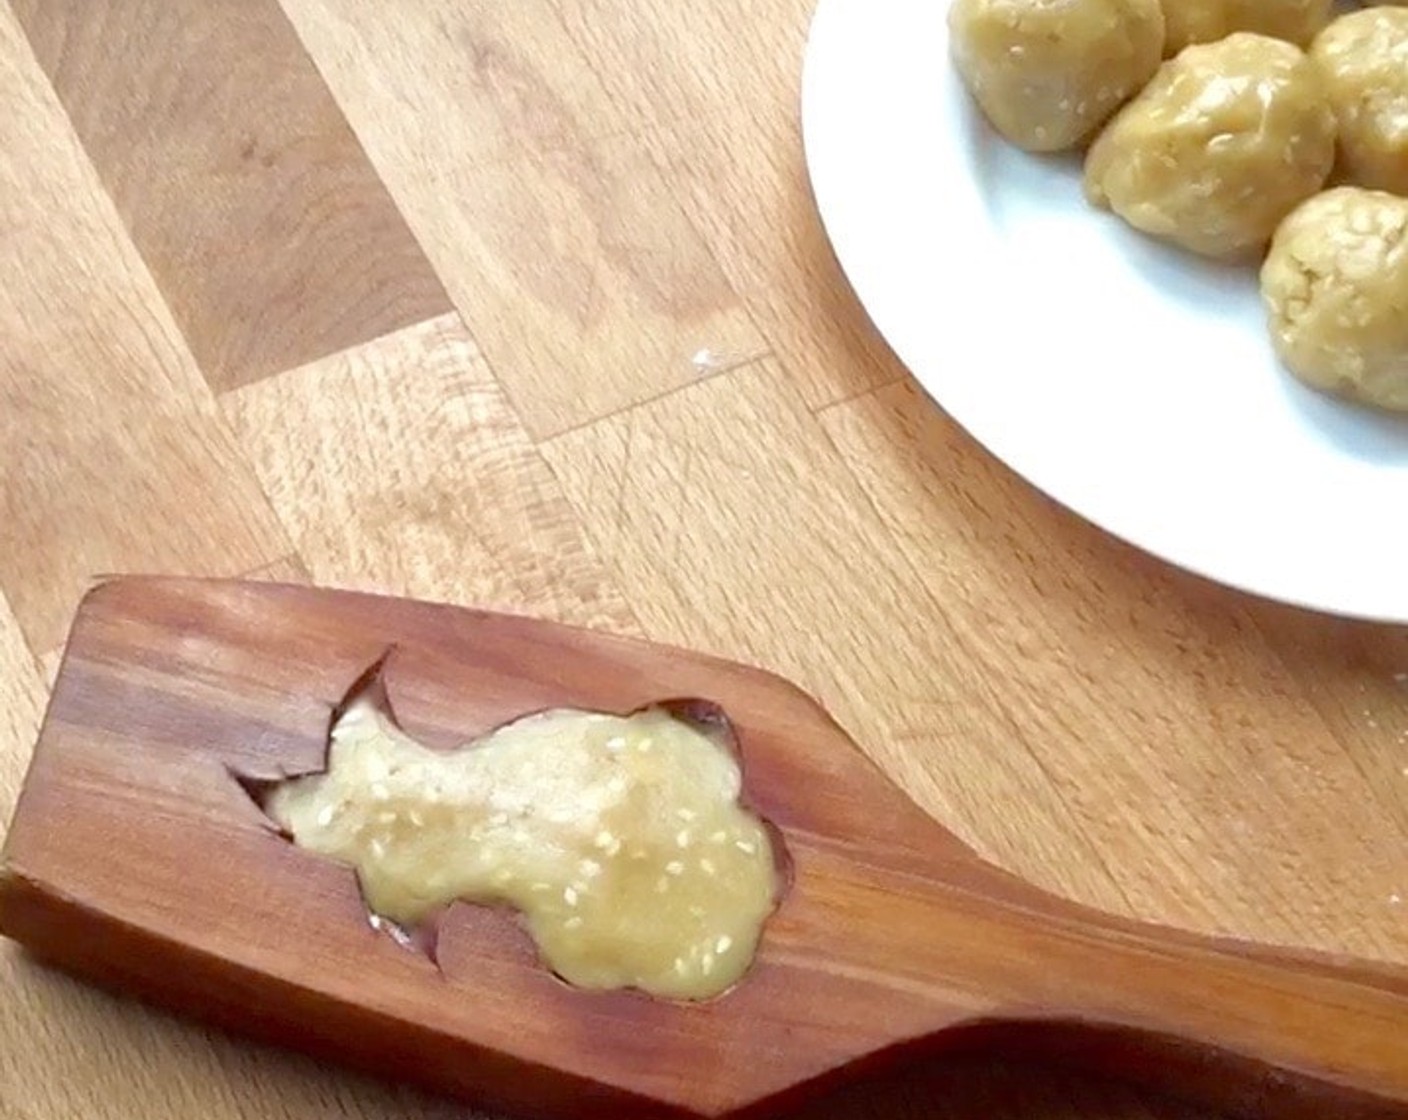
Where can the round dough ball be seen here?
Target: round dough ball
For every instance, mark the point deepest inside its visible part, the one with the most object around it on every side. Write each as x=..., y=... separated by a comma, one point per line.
x=1048, y=75
x=1335, y=286
x=1207, y=21
x=1363, y=58
x=1218, y=148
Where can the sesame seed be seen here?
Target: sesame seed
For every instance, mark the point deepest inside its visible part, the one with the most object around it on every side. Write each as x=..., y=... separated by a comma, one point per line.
x=723, y=944
x=682, y=838
x=589, y=868
x=569, y=896
x=674, y=867
x=603, y=840
x=378, y=847
x=416, y=818
x=707, y=866
x=645, y=745
x=680, y=965
x=707, y=963
x=616, y=743
x=745, y=846
x=573, y=922
x=719, y=837
x=387, y=817
x=325, y=816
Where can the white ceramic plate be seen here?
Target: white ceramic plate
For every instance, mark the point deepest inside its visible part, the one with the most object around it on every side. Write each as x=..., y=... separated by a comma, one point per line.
x=1130, y=382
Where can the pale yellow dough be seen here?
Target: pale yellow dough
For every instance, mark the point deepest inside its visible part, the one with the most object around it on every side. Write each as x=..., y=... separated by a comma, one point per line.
x=1048, y=73
x=1335, y=286
x=621, y=839
x=1224, y=142
x=1207, y=21
x=1363, y=58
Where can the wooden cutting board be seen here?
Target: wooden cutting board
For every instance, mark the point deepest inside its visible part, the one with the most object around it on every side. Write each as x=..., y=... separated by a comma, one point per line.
x=137, y=859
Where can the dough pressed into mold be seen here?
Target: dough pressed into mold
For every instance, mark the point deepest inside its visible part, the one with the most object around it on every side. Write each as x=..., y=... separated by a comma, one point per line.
x=1218, y=148
x=1363, y=58
x=1335, y=288
x=1048, y=75
x=620, y=840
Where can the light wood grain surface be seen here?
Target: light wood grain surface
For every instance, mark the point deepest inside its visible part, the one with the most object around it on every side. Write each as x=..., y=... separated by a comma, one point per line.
x=527, y=306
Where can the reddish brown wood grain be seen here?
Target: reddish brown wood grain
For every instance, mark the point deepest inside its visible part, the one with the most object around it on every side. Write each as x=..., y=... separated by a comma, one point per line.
x=135, y=858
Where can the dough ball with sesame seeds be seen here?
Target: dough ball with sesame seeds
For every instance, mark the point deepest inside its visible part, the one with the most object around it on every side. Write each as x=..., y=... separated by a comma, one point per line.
x=1220, y=146
x=1048, y=75
x=1363, y=58
x=1207, y=21
x=1335, y=287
